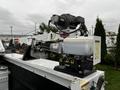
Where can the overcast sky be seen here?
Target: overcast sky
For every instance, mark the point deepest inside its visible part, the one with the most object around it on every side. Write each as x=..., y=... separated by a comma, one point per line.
x=23, y=14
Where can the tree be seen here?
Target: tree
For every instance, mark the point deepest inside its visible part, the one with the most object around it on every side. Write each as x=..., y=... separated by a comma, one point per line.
x=117, y=52
x=100, y=31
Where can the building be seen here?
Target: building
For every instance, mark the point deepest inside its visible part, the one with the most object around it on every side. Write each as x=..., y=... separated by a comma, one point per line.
x=7, y=37
x=110, y=40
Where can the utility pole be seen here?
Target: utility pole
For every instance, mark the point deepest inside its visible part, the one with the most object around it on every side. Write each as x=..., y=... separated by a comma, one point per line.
x=11, y=27
x=35, y=28
x=92, y=30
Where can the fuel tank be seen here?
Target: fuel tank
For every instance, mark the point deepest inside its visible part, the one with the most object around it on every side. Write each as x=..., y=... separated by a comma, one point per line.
x=79, y=46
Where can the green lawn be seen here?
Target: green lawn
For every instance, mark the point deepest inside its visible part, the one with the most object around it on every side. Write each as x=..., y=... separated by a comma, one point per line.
x=112, y=77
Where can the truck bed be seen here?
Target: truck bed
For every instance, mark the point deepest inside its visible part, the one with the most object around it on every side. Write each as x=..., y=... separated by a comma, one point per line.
x=40, y=74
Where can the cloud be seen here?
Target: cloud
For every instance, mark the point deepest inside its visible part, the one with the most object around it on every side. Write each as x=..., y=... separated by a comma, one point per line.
x=72, y=2
x=22, y=14
x=8, y=19
x=69, y=6
x=37, y=18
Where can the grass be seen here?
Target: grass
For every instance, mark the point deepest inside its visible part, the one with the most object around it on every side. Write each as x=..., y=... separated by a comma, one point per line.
x=112, y=76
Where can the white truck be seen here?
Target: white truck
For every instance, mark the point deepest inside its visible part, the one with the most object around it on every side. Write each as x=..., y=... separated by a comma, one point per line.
x=45, y=68
x=72, y=67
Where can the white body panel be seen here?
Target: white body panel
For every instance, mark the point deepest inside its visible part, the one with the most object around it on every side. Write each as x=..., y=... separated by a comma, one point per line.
x=2, y=49
x=78, y=46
